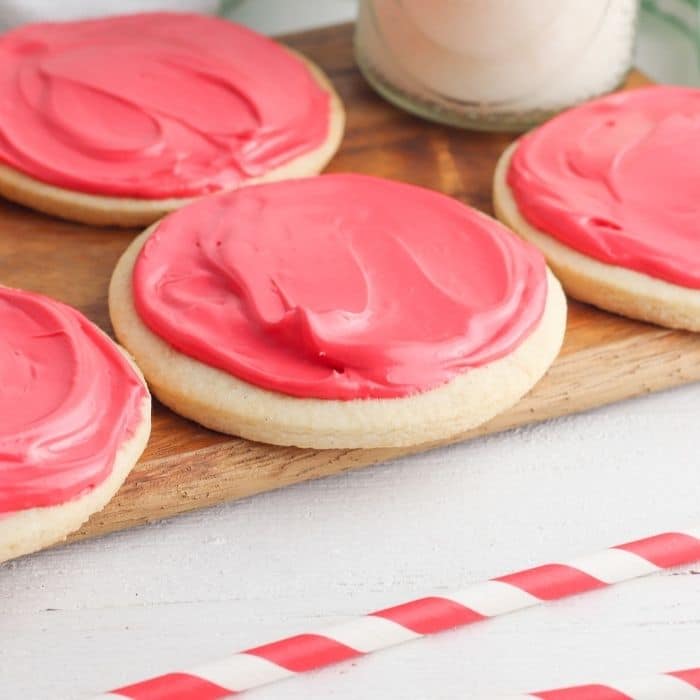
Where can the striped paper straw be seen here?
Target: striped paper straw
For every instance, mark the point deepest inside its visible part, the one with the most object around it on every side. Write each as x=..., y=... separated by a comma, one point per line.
x=384, y=628
x=674, y=685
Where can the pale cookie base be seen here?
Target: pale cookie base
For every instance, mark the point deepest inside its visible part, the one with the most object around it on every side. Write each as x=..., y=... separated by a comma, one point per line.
x=222, y=402
x=35, y=528
x=101, y=210
x=609, y=287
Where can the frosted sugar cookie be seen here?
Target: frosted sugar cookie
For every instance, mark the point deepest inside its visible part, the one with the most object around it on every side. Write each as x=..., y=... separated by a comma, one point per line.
x=75, y=415
x=120, y=120
x=336, y=311
x=610, y=192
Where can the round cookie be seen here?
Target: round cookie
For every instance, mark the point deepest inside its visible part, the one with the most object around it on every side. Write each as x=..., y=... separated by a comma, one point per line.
x=75, y=416
x=118, y=121
x=609, y=192
x=337, y=311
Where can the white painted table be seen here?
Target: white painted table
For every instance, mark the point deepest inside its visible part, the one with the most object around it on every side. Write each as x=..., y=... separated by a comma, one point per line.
x=85, y=618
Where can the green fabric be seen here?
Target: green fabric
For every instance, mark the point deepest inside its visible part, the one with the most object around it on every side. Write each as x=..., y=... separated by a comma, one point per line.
x=228, y=6
x=683, y=15
x=673, y=27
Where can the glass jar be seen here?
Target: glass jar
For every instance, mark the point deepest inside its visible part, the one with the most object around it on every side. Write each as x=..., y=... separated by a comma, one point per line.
x=494, y=64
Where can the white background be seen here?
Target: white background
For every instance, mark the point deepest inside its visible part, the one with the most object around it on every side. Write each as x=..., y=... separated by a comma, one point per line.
x=81, y=619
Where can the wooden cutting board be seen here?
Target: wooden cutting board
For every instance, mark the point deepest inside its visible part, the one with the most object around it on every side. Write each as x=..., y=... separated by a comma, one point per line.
x=605, y=358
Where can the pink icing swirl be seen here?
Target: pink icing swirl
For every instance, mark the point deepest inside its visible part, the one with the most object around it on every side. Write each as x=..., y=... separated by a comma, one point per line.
x=338, y=286
x=68, y=400
x=153, y=105
x=617, y=179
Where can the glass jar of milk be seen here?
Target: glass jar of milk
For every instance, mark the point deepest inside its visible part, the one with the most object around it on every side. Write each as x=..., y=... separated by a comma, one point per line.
x=494, y=64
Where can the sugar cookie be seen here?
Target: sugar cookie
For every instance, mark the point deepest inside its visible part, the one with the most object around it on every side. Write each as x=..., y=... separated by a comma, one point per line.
x=74, y=418
x=336, y=311
x=610, y=192
x=117, y=121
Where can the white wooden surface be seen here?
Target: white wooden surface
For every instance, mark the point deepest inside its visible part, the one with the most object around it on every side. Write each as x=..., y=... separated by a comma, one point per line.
x=85, y=618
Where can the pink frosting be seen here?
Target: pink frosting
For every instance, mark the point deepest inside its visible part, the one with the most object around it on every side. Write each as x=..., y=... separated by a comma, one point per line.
x=617, y=179
x=153, y=105
x=68, y=401
x=338, y=286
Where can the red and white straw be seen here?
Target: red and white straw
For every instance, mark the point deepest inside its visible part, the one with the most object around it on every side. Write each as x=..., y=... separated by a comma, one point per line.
x=384, y=628
x=674, y=685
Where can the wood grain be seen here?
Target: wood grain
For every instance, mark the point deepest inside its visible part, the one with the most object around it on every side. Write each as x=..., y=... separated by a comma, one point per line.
x=605, y=358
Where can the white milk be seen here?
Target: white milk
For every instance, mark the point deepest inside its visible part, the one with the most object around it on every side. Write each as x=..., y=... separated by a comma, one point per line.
x=485, y=58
